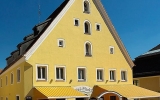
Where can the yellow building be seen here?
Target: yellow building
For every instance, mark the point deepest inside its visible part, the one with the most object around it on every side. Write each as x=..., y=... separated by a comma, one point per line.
x=75, y=54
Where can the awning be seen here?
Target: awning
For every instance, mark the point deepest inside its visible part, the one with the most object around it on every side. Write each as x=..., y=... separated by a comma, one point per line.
x=129, y=91
x=60, y=92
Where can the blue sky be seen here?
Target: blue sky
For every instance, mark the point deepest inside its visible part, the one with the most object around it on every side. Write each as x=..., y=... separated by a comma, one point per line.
x=136, y=21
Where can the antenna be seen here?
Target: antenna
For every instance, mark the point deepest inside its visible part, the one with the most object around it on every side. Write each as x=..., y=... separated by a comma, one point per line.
x=39, y=11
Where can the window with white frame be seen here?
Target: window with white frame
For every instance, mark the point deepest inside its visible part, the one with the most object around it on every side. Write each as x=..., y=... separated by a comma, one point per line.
x=98, y=27
x=60, y=73
x=76, y=22
x=18, y=75
x=42, y=72
x=81, y=74
x=111, y=49
x=123, y=75
x=61, y=42
x=12, y=78
x=87, y=27
x=99, y=74
x=17, y=97
x=88, y=49
x=86, y=6
x=112, y=75
x=6, y=80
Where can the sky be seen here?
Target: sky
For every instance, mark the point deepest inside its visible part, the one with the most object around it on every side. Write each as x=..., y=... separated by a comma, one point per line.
x=136, y=21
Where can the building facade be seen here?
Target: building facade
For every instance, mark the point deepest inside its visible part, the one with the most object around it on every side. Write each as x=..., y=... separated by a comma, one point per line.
x=146, y=73
x=74, y=54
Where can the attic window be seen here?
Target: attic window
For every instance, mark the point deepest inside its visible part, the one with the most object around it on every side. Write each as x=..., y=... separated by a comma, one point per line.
x=86, y=7
x=111, y=50
x=87, y=28
x=98, y=27
x=76, y=22
x=61, y=42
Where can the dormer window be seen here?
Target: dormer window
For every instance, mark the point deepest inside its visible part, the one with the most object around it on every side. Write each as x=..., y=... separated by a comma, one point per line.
x=86, y=7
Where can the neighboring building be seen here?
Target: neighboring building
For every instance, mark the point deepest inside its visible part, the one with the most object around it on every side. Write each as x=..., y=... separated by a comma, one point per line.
x=146, y=73
x=75, y=54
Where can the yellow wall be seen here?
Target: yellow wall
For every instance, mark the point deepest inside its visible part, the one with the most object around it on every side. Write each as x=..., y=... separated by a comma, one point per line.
x=151, y=83
x=72, y=55
x=11, y=90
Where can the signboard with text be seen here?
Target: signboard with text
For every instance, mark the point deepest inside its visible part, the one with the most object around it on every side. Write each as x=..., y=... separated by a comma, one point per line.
x=84, y=89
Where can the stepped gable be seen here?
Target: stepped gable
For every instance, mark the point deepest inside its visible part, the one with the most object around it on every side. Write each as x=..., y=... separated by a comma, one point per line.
x=30, y=39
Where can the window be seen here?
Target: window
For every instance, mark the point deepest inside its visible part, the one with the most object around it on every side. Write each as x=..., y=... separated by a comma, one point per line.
x=98, y=27
x=88, y=49
x=1, y=82
x=112, y=97
x=76, y=22
x=112, y=75
x=42, y=71
x=61, y=42
x=6, y=80
x=81, y=74
x=99, y=74
x=111, y=50
x=87, y=27
x=60, y=73
x=17, y=98
x=86, y=7
x=136, y=82
x=18, y=75
x=11, y=78
x=123, y=76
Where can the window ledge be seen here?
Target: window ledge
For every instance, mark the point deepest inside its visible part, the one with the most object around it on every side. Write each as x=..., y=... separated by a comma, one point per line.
x=60, y=80
x=123, y=80
x=87, y=33
x=76, y=25
x=41, y=80
x=88, y=55
x=81, y=80
x=112, y=80
x=86, y=12
x=99, y=80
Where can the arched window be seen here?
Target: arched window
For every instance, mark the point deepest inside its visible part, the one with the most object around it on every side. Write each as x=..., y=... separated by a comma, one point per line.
x=87, y=28
x=86, y=7
x=88, y=49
